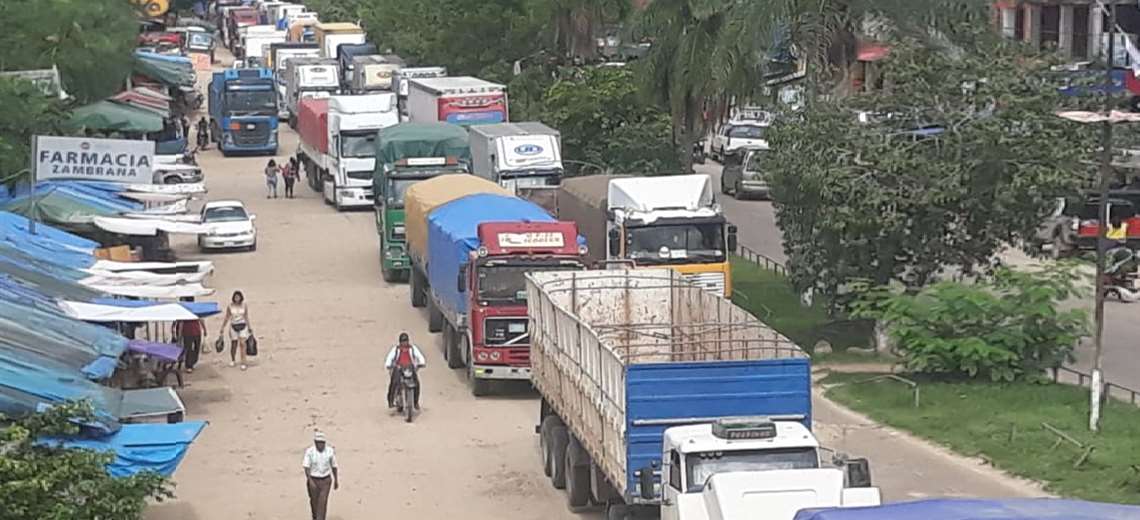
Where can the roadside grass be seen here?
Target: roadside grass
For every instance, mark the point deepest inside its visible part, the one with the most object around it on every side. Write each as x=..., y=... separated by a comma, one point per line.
x=1002, y=423
x=770, y=298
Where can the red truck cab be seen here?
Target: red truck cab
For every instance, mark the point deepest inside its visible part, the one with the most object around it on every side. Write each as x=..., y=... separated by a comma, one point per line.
x=496, y=287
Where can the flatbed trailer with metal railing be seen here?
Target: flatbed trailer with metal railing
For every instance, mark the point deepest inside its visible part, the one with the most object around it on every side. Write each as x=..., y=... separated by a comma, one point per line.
x=628, y=360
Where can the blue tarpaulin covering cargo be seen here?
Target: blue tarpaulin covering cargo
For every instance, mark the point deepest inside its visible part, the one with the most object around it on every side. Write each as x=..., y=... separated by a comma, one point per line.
x=141, y=447
x=968, y=509
x=452, y=237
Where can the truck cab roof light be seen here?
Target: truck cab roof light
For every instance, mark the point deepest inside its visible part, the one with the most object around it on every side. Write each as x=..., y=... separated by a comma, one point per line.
x=742, y=428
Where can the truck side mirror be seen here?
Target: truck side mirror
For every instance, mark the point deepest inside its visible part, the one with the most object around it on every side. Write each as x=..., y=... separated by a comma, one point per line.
x=858, y=473
x=731, y=238
x=615, y=242
x=461, y=280
x=645, y=481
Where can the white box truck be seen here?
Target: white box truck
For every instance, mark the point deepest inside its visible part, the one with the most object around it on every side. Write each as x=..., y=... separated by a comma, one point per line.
x=332, y=35
x=461, y=100
x=400, y=83
x=525, y=158
x=660, y=398
x=308, y=78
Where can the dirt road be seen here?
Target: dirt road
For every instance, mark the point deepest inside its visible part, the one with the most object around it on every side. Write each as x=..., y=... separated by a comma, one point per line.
x=325, y=319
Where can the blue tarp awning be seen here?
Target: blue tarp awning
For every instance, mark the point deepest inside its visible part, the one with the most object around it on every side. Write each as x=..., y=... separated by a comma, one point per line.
x=972, y=509
x=11, y=223
x=141, y=447
x=202, y=309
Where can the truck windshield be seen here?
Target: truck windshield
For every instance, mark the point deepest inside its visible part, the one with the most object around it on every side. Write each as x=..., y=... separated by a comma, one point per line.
x=676, y=243
x=358, y=145
x=700, y=466
x=506, y=284
x=746, y=132
x=252, y=102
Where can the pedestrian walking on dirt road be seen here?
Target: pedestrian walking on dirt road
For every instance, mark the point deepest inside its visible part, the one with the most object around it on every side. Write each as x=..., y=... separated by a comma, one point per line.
x=190, y=334
x=320, y=475
x=237, y=317
x=271, y=180
x=289, y=174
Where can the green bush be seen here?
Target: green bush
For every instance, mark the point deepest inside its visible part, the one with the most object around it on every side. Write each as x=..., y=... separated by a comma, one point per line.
x=1006, y=327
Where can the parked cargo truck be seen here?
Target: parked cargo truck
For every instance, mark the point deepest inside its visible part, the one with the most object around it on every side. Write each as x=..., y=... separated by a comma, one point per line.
x=658, y=397
x=338, y=145
x=333, y=35
x=667, y=221
x=470, y=244
x=525, y=158
x=461, y=100
x=308, y=78
x=243, y=111
x=406, y=154
x=344, y=58
x=374, y=73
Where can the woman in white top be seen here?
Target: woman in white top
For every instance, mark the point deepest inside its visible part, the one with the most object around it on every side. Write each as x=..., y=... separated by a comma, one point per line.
x=237, y=317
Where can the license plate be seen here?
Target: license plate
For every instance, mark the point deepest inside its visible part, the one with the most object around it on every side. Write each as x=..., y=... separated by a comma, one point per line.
x=250, y=127
x=516, y=327
x=228, y=243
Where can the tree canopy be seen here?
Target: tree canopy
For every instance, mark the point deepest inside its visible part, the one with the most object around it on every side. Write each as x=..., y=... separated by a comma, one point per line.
x=957, y=158
x=91, y=42
x=47, y=482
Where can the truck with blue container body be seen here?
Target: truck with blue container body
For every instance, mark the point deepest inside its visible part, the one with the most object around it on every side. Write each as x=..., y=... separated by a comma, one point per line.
x=471, y=244
x=243, y=111
x=659, y=397
x=981, y=509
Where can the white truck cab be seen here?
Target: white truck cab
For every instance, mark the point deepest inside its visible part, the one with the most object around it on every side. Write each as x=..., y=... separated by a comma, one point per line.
x=748, y=130
x=354, y=122
x=734, y=468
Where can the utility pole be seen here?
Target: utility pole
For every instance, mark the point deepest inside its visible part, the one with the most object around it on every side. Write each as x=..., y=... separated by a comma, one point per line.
x=1095, y=396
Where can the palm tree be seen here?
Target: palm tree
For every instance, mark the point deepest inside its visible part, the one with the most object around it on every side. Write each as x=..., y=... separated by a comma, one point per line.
x=576, y=23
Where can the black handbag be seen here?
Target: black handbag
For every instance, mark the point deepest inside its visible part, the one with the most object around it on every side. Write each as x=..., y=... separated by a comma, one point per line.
x=220, y=344
x=251, y=345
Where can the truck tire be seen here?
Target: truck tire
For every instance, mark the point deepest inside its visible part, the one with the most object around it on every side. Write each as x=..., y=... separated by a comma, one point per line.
x=557, y=442
x=435, y=317
x=577, y=475
x=388, y=275
x=451, y=344
x=416, y=290
x=545, y=442
x=601, y=491
x=618, y=511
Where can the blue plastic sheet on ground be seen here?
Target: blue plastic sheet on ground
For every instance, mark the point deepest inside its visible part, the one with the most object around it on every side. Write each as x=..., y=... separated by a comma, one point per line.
x=27, y=388
x=969, y=509
x=141, y=447
x=202, y=309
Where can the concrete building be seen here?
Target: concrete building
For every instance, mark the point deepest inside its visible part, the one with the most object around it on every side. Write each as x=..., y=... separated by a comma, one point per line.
x=1075, y=28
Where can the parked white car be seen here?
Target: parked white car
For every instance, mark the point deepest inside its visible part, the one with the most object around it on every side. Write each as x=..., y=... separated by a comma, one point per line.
x=230, y=226
x=736, y=136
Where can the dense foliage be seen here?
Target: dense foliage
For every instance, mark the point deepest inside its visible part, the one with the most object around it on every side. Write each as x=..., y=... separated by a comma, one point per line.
x=46, y=482
x=876, y=200
x=1006, y=327
x=24, y=112
x=90, y=41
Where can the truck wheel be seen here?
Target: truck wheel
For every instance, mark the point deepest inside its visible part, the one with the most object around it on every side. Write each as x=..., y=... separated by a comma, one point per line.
x=615, y=511
x=546, y=442
x=452, y=353
x=557, y=441
x=601, y=491
x=435, y=318
x=388, y=275
x=419, y=299
x=577, y=475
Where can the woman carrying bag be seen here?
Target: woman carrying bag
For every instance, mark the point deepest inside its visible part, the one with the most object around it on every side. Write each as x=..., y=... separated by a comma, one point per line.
x=240, y=329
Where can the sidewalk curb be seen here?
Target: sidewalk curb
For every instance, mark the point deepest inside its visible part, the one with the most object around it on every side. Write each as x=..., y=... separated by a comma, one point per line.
x=975, y=465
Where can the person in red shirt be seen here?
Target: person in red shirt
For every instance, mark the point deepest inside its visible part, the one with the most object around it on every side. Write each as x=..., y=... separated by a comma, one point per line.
x=403, y=355
x=189, y=334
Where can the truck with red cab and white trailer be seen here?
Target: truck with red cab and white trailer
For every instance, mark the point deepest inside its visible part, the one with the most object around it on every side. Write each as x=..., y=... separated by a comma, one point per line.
x=460, y=100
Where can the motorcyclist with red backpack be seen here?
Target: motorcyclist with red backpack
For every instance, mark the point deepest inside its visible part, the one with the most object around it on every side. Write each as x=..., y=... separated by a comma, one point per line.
x=403, y=355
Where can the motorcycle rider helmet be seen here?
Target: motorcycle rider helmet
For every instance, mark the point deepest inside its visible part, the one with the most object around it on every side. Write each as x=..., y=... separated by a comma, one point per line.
x=403, y=337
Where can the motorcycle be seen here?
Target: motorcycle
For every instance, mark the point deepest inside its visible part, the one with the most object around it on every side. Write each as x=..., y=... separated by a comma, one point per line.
x=405, y=398
x=699, y=152
x=1120, y=275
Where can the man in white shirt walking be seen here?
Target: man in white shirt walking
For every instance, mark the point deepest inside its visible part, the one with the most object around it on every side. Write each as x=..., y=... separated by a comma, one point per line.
x=320, y=475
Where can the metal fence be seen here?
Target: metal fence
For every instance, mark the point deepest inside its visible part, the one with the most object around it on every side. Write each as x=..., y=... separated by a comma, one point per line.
x=1122, y=393
x=763, y=261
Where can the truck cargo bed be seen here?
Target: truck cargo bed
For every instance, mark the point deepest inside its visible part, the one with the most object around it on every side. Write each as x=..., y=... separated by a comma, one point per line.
x=621, y=355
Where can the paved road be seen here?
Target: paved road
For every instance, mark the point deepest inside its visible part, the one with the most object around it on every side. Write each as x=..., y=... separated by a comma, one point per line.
x=756, y=221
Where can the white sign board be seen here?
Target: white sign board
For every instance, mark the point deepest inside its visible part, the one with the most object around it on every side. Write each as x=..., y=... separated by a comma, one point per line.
x=533, y=239
x=84, y=158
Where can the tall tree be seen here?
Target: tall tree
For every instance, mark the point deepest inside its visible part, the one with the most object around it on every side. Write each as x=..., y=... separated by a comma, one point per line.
x=91, y=42
x=576, y=23
x=24, y=112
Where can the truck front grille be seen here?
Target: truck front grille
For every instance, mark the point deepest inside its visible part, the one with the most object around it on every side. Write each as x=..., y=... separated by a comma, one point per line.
x=258, y=135
x=500, y=331
x=711, y=282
